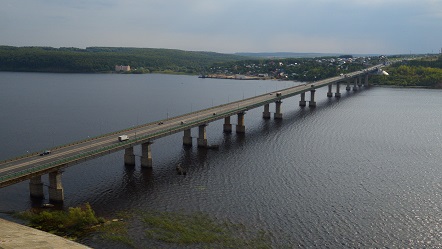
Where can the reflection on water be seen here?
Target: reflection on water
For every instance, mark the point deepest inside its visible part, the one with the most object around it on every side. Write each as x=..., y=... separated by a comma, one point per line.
x=359, y=171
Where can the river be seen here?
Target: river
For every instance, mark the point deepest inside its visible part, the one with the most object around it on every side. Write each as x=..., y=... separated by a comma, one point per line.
x=360, y=171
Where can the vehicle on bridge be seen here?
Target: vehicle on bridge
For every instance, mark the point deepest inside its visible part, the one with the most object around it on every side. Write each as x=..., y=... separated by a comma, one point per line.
x=46, y=152
x=123, y=138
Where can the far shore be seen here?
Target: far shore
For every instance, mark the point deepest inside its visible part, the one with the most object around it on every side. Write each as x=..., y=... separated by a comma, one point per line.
x=219, y=76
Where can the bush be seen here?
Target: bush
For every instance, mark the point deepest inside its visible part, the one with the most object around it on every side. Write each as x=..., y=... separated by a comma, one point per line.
x=72, y=223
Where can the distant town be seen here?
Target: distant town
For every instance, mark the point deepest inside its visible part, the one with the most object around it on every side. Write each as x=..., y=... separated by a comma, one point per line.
x=298, y=69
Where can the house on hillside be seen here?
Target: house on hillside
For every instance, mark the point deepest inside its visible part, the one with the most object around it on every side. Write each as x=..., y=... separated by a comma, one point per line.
x=121, y=68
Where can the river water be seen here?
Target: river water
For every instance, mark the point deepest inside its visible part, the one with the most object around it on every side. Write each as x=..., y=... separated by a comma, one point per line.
x=360, y=171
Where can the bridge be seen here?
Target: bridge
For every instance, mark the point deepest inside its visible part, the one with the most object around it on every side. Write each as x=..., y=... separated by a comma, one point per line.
x=33, y=166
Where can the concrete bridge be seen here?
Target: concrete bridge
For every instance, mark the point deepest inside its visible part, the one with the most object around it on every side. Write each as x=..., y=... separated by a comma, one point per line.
x=33, y=166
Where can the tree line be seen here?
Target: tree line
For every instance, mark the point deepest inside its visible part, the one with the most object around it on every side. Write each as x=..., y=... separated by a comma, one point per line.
x=104, y=59
x=426, y=72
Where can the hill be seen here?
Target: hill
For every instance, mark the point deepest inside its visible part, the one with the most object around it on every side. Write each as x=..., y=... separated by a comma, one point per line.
x=297, y=55
x=104, y=59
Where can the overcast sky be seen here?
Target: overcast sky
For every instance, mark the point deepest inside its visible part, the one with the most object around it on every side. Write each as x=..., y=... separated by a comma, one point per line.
x=227, y=26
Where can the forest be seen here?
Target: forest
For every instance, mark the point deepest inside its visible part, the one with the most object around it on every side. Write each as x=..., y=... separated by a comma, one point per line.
x=104, y=59
x=425, y=72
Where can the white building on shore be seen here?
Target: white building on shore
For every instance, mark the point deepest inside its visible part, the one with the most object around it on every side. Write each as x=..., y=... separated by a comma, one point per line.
x=119, y=68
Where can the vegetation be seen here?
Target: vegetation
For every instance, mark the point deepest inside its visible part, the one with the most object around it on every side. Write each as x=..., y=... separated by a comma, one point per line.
x=75, y=222
x=104, y=59
x=196, y=230
x=425, y=72
x=116, y=231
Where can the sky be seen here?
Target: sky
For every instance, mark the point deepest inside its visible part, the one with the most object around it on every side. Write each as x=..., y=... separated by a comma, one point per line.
x=228, y=26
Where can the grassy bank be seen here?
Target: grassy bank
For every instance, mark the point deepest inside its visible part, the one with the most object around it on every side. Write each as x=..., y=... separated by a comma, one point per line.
x=174, y=229
x=73, y=223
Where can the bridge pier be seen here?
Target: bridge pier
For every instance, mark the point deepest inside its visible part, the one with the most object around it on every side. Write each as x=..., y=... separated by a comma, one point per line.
x=278, y=113
x=202, y=136
x=187, y=137
x=146, y=155
x=348, y=88
x=355, y=88
x=129, y=156
x=359, y=81
x=338, y=94
x=266, y=112
x=366, y=84
x=302, y=101
x=312, y=102
x=56, y=193
x=36, y=187
x=227, y=127
x=329, y=93
x=240, y=127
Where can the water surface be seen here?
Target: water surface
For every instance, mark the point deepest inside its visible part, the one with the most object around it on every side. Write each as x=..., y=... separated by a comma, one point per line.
x=360, y=171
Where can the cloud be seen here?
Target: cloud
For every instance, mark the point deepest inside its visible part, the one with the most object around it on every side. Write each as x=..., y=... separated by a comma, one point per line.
x=227, y=26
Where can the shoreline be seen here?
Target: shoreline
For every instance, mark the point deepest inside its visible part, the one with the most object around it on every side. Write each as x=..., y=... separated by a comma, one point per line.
x=212, y=76
x=233, y=77
x=398, y=86
x=14, y=235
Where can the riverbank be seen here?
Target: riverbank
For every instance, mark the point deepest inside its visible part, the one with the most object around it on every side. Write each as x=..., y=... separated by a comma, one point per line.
x=13, y=235
x=233, y=77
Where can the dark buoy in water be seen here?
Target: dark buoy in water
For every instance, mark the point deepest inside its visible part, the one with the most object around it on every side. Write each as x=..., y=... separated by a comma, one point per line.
x=180, y=170
x=213, y=147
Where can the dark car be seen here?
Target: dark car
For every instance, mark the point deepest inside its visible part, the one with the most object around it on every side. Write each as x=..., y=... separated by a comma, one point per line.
x=46, y=152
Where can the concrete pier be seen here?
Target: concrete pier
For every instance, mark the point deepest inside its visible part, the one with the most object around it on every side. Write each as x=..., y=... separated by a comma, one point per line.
x=36, y=187
x=359, y=81
x=330, y=93
x=366, y=83
x=55, y=187
x=146, y=155
x=355, y=88
x=227, y=127
x=338, y=93
x=312, y=102
x=187, y=137
x=348, y=88
x=240, y=127
x=302, y=102
x=278, y=113
x=202, y=136
x=266, y=112
x=129, y=156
